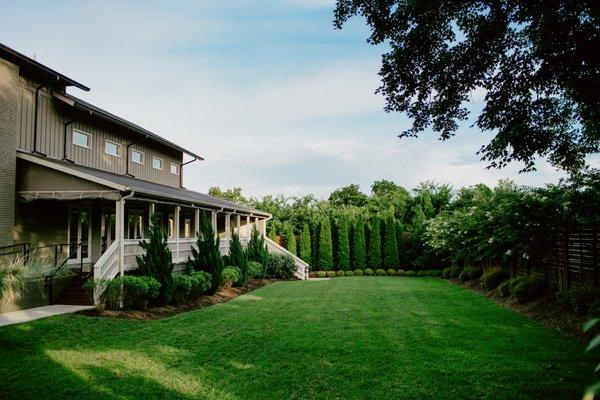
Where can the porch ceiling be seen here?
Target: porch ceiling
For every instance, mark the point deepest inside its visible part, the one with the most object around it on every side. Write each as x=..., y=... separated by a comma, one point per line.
x=141, y=188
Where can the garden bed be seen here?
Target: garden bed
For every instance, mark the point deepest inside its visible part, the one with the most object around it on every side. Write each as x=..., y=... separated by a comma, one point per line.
x=170, y=310
x=546, y=310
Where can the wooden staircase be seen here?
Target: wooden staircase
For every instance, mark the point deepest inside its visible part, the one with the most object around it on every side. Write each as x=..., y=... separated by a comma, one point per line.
x=74, y=293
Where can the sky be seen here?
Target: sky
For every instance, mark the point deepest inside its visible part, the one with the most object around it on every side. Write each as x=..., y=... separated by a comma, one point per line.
x=271, y=95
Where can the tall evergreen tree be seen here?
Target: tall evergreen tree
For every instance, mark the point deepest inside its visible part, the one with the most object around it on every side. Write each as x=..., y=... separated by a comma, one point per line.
x=238, y=258
x=359, y=245
x=400, y=242
x=374, y=254
x=290, y=239
x=208, y=256
x=272, y=234
x=157, y=260
x=343, y=247
x=325, y=253
x=305, y=252
x=257, y=250
x=390, y=246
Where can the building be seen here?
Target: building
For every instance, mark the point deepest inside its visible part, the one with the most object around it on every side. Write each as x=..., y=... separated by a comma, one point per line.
x=81, y=183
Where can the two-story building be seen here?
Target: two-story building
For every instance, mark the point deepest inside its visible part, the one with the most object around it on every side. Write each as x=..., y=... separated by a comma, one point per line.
x=82, y=182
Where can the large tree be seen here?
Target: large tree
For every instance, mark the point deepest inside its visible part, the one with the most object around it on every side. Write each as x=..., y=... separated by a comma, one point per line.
x=535, y=61
x=348, y=196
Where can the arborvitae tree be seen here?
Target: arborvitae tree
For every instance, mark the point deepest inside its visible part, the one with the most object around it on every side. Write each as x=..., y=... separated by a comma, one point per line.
x=400, y=243
x=257, y=250
x=208, y=256
x=390, y=246
x=290, y=239
x=305, y=252
x=359, y=245
x=343, y=247
x=272, y=234
x=157, y=260
x=238, y=258
x=374, y=244
x=325, y=246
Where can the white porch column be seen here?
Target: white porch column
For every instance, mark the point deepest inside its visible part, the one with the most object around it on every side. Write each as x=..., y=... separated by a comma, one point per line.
x=262, y=227
x=151, y=208
x=196, y=222
x=227, y=225
x=120, y=233
x=238, y=224
x=247, y=230
x=213, y=221
x=176, y=231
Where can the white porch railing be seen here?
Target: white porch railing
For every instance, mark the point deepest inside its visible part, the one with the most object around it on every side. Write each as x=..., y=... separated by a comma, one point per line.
x=106, y=268
x=301, y=265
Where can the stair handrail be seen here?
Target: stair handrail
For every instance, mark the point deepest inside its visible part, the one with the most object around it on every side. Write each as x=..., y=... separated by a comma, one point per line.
x=101, y=274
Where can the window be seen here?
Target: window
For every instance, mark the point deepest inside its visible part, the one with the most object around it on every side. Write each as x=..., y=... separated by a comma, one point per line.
x=112, y=148
x=82, y=139
x=174, y=169
x=156, y=163
x=137, y=157
x=187, y=223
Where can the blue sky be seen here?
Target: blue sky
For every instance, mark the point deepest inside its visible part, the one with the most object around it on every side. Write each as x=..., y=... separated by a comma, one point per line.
x=274, y=98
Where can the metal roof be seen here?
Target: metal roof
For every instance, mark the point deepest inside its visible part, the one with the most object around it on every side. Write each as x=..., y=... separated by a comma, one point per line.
x=38, y=69
x=141, y=187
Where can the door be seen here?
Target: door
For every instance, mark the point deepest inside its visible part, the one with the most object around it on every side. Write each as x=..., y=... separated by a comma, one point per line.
x=79, y=232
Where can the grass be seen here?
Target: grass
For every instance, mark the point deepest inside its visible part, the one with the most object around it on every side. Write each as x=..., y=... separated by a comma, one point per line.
x=376, y=337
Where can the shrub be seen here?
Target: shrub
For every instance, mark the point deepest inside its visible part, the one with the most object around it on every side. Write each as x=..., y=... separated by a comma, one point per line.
x=341, y=273
x=321, y=274
x=230, y=275
x=368, y=272
x=436, y=273
x=330, y=274
x=305, y=246
x=349, y=273
x=504, y=289
x=390, y=245
x=182, y=288
x=238, y=258
x=401, y=272
x=280, y=266
x=255, y=269
x=325, y=248
x=343, y=244
x=207, y=257
x=359, y=246
x=358, y=272
x=290, y=239
x=581, y=298
x=410, y=273
x=391, y=272
x=446, y=273
x=526, y=288
x=138, y=291
x=374, y=244
x=492, y=278
x=157, y=260
x=594, y=310
x=469, y=274
x=200, y=283
x=380, y=272
x=257, y=251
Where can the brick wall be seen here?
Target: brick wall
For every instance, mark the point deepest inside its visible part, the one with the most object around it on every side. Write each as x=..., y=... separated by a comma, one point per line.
x=9, y=105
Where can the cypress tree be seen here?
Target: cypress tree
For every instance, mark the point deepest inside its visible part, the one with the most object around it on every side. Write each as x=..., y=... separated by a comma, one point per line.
x=343, y=247
x=238, y=258
x=208, y=256
x=359, y=245
x=305, y=252
x=290, y=239
x=400, y=242
x=374, y=244
x=325, y=253
x=390, y=246
x=272, y=234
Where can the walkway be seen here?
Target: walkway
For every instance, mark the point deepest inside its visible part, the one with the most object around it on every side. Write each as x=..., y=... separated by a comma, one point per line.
x=17, y=317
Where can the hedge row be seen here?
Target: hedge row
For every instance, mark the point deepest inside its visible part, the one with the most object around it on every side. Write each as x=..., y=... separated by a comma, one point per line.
x=377, y=272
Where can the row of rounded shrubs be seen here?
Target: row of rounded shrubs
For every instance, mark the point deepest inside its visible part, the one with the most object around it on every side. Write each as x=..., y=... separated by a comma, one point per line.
x=583, y=300
x=377, y=272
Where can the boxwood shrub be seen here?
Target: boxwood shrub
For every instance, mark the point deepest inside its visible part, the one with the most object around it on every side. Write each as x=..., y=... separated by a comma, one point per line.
x=469, y=274
x=368, y=272
x=401, y=272
x=138, y=292
x=182, y=288
x=410, y=273
x=391, y=272
x=201, y=281
x=580, y=299
x=280, y=266
x=526, y=288
x=321, y=274
x=255, y=269
x=230, y=275
x=493, y=278
x=358, y=272
x=331, y=274
x=380, y=272
x=504, y=288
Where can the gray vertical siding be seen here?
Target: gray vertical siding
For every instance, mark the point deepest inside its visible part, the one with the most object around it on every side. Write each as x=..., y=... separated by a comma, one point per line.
x=52, y=117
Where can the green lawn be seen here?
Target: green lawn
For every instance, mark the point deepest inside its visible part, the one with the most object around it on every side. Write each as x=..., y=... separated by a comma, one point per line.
x=375, y=338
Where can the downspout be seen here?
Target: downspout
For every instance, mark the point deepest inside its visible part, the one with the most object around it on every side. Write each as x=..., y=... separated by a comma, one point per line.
x=127, y=156
x=65, y=141
x=181, y=171
x=36, y=118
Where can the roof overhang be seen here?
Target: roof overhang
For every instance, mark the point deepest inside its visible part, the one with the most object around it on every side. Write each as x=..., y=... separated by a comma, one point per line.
x=52, y=77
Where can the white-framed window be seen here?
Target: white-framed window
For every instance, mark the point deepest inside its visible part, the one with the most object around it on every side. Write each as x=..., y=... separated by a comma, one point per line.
x=82, y=139
x=157, y=163
x=137, y=157
x=174, y=169
x=112, y=148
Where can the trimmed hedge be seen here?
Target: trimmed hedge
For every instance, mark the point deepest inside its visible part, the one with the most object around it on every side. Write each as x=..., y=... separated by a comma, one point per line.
x=526, y=288
x=321, y=274
x=200, y=283
x=255, y=269
x=410, y=273
x=451, y=272
x=493, y=278
x=182, y=288
x=391, y=272
x=401, y=272
x=229, y=276
x=368, y=272
x=280, y=266
x=380, y=272
x=138, y=292
x=581, y=299
x=358, y=272
x=469, y=274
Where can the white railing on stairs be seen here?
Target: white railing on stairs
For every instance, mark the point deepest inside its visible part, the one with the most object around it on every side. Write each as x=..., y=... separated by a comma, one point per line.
x=301, y=265
x=106, y=268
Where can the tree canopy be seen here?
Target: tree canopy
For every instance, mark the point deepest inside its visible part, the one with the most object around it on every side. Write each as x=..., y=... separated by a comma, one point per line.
x=534, y=61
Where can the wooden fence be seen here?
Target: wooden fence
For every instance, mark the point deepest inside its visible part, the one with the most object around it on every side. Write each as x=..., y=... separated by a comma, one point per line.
x=572, y=258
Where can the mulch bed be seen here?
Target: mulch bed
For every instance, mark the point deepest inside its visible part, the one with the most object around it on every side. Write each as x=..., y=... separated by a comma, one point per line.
x=546, y=310
x=168, y=311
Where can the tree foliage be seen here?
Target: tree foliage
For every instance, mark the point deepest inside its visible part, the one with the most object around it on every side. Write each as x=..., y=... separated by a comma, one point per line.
x=325, y=253
x=207, y=257
x=348, y=196
x=535, y=63
x=359, y=245
x=374, y=244
x=238, y=258
x=290, y=240
x=257, y=250
x=157, y=260
x=343, y=245
x=305, y=247
x=390, y=245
